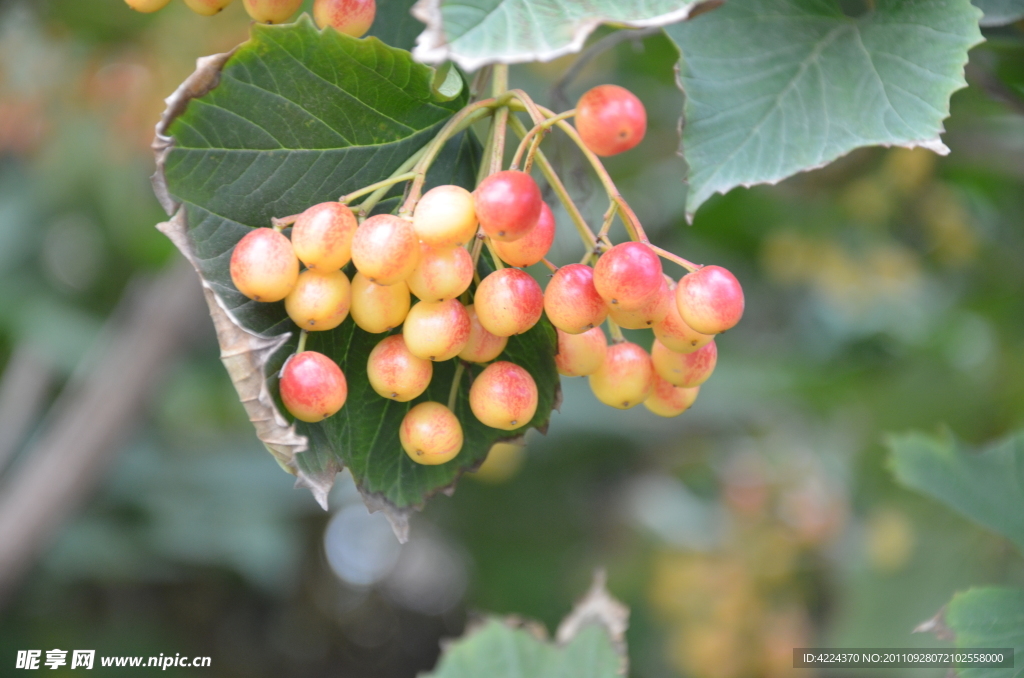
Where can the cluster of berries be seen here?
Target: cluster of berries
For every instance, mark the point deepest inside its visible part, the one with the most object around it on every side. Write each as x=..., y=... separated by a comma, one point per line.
x=432, y=255
x=353, y=17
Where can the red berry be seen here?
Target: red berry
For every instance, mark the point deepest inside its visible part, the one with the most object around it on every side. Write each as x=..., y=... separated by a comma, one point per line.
x=352, y=17
x=675, y=333
x=322, y=236
x=442, y=273
x=580, y=355
x=508, y=205
x=571, y=300
x=264, y=266
x=385, y=249
x=684, y=369
x=626, y=377
x=313, y=387
x=667, y=400
x=395, y=373
x=533, y=246
x=508, y=302
x=436, y=330
x=610, y=119
x=430, y=434
x=482, y=347
x=653, y=310
x=710, y=299
x=503, y=396
x=628, y=275
x=271, y=11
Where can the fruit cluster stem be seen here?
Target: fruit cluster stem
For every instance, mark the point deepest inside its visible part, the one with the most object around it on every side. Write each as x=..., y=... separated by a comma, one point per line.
x=534, y=136
x=302, y=341
x=453, y=393
x=586, y=235
x=674, y=258
x=373, y=188
x=615, y=331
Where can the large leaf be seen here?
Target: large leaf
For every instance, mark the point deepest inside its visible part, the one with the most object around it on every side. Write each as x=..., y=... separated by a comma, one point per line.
x=589, y=644
x=295, y=117
x=991, y=617
x=1000, y=12
x=473, y=33
x=776, y=87
x=986, y=486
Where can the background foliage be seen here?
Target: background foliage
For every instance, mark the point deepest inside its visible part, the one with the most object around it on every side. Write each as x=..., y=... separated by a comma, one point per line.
x=883, y=296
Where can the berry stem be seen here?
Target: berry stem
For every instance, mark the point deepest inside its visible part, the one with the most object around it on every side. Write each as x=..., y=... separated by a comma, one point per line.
x=458, y=122
x=535, y=111
x=302, y=341
x=674, y=258
x=498, y=264
x=453, y=394
x=633, y=227
x=586, y=235
x=366, y=206
x=499, y=87
x=372, y=188
x=478, y=246
x=535, y=132
x=282, y=223
x=615, y=331
x=551, y=267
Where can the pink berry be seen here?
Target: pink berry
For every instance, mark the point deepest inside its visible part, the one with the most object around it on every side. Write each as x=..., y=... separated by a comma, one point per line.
x=684, y=369
x=610, y=119
x=571, y=300
x=264, y=266
x=508, y=302
x=508, y=205
x=533, y=246
x=710, y=300
x=313, y=387
x=580, y=355
x=503, y=396
x=628, y=275
x=352, y=17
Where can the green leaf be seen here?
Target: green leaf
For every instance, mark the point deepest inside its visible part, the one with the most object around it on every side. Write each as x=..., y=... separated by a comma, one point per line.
x=295, y=117
x=776, y=87
x=589, y=644
x=474, y=33
x=986, y=486
x=988, y=618
x=1000, y=12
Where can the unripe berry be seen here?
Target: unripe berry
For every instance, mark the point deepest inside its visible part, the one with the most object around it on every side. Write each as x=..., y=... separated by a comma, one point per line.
x=625, y=378
x=533, y=246
x=508, y=302
x=445, y=217
x=378, y=308
x=610, y=119
x=385, y=249
x=684, y=369
x=667, y=400
x=580, y=355
x=263, y=265
x=508, y=205
x=503, y=396
x=351, y=17
x=710, y=299
x=320, y=300
x=271, y=11
x=482, y=347
x=207, y=7
x=395, y=373
x=441, y=273
x=653, y=310
x=322, y=236
x=430, y=434
x=571, y=300
x=628, y=275
x=675, y=334
x=313, y=387
x=147, y=6
x=436, y=331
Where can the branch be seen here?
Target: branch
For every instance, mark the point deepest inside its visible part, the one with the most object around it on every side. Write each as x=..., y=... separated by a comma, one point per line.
x=89, y=421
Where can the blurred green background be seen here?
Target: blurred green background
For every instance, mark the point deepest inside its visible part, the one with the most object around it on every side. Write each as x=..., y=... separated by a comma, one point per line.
x=884, y=293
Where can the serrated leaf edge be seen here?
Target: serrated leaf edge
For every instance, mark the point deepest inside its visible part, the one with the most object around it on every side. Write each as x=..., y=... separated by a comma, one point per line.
x=432, y=47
